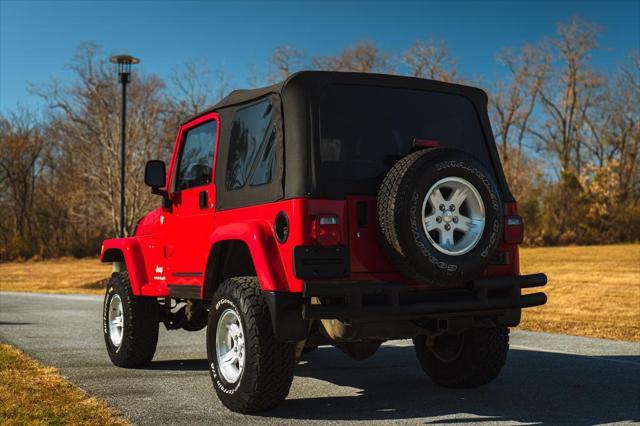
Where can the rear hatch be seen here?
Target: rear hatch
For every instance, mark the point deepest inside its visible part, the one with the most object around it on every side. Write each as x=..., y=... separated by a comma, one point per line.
x=365, y=130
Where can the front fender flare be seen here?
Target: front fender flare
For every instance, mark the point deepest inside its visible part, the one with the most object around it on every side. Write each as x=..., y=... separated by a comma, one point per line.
x=127, y=250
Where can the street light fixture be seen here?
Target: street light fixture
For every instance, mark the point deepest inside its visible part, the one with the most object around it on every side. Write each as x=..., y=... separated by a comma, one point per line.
x=124, y=71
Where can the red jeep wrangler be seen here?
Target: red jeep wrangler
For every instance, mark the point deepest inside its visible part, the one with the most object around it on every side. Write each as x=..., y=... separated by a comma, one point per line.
x=332, y=208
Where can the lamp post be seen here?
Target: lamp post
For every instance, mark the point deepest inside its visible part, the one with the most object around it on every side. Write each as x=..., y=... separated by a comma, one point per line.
x=124, y=70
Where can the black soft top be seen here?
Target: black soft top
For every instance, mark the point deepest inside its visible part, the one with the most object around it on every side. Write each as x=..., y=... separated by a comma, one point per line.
x=313, y=79
x=295, y=101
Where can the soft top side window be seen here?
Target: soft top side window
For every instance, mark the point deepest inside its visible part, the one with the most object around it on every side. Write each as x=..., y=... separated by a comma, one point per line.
x=251, y=147
x=195, y=163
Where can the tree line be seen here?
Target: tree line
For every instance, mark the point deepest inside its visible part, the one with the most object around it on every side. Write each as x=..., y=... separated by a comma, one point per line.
x=567, y=133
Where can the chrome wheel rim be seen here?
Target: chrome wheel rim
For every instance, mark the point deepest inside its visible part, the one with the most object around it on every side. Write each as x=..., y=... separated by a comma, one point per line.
x=230, y=346
x=116, y=321
x=453, y=216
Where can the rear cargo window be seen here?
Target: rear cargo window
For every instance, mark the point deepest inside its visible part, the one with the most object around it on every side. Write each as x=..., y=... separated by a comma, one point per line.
x=365, y=130
x=251, y=149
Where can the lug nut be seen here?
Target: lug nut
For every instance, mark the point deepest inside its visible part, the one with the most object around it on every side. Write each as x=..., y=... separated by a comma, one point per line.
x=442, y=207
x=438, y=219
x=452, y=207
x=447, y=227
x=455, y=219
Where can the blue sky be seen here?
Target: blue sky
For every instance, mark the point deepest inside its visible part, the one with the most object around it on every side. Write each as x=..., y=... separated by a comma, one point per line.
x=38, y=38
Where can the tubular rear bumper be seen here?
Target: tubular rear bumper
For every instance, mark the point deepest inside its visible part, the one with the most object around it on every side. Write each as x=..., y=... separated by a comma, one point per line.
x=374, y=300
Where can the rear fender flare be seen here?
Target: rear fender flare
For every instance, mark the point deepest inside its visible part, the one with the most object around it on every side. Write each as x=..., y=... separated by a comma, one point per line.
x=259, y=238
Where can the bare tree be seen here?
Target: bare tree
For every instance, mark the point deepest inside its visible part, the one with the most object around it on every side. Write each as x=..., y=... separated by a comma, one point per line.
x=192, y=86
x=284, y=61
x=513, y=102
x=252, y=76
x=86, y=114
x=627, y=129
x=567, y=93
x=429, y=59
x=22, y=147
x=613, y=130
x=363, y=57
x=223, y=81
x=59, y=171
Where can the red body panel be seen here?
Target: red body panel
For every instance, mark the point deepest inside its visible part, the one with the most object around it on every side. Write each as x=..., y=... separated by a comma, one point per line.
x=366, y=254
x=172, y=246
x=149, y=256
x=188, y=223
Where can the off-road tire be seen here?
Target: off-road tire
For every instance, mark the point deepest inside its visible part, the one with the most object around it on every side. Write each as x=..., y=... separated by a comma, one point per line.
x=140, y=328
x=483, y=354
x=360, y=351
x=269, y=363
x=399, y=213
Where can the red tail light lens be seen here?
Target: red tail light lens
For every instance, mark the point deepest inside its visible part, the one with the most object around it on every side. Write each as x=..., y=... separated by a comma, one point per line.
x=326, y=229
x=513, y=230
x=425, y=143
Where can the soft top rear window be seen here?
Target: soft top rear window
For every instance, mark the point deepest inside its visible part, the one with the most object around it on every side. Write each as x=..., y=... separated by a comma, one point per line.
x=365, y=130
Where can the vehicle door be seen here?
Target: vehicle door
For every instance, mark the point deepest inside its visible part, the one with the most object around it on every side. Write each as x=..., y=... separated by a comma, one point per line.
x=191, y=215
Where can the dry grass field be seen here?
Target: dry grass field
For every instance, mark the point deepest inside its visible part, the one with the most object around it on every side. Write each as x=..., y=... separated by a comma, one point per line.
x=593, y=291
x=37, y=395
x=64, y=275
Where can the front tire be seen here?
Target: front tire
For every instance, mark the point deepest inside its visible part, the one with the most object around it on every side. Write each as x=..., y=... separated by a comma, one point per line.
x=251, y=370
x=467, y=360
x=129, y=323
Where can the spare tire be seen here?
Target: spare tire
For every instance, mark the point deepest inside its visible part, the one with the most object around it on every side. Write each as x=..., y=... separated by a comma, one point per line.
x=440, y=216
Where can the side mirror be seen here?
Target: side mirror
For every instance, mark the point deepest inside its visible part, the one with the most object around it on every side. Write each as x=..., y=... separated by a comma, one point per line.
x=155, y=174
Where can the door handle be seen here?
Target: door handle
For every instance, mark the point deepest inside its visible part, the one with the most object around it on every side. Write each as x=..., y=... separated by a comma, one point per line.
x=203, y=198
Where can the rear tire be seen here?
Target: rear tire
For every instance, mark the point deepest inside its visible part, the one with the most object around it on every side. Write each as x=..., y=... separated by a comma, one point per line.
x=129, y=323
x=258, y=375
x=467, y=360
x=361, y=350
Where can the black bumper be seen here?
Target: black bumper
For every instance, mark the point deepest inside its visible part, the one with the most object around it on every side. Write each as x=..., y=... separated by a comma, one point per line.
x=375, y=300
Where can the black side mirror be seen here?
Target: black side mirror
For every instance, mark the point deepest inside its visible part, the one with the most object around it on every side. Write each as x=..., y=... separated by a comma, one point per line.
x=155, y=174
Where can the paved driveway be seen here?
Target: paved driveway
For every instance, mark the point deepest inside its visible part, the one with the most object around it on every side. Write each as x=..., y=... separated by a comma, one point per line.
x=548, y=378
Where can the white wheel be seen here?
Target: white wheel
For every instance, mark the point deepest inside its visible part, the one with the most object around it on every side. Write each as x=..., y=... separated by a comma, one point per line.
x=129, y=323
x=116, y=320
x=251, y=370
x=453, y=216
x=230, y=346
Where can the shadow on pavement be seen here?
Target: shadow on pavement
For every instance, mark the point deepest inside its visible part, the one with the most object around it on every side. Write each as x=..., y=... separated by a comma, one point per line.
x=15, y=323
x=534, y=387
x=178, y=365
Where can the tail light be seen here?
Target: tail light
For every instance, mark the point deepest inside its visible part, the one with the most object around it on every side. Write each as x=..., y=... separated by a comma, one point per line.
x=425, y=143
x=326, y=229
x=514, y=230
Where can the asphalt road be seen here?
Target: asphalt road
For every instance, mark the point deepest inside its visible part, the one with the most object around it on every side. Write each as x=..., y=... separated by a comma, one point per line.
x=548, y=378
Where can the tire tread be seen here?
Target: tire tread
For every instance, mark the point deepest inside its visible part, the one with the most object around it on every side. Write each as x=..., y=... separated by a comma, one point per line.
x=142, y=313
x=275, y=360
x=481, y=361
x=394, y=188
